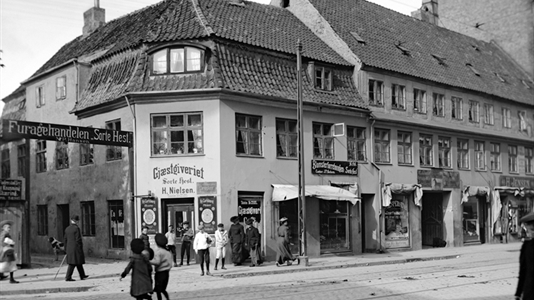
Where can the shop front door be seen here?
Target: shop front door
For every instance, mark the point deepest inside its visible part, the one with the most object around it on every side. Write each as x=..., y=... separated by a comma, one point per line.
x=176, y=213
x=432, y=218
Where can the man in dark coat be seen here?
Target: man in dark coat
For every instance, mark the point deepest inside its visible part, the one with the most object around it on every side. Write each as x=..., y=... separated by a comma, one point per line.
x=236, y=234
x=74, y=248
x=525, y=285
x=252, y=239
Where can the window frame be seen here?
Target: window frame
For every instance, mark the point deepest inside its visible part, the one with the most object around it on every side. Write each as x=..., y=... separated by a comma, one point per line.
x=189, y=145
x=402, y=144
x=249, y=131
x=529, y=160
x=424, y=149
x=512, y=159
x=463, y=159
x=62, y=155
x=87, y=154
x=116, y=241
x=325, y=81
x=384, y=143
x=40, y=156
x=61, y=90
x=356, y=143
x=289, y=137
x=489, y=118
x=495, y=157
x=376, y=101
x=42, y=219
x=22, y=152
x=398, y=96
x=323, y=141
x=506, y=118
x=39, y=96
x=457, y=108
x=474, y=111
x=113, y=153
x=438, y=110
x=6, y=163
x=88, y=226
x=480, y=156
x=420, y=101
x=168, y=60
x=442, y=149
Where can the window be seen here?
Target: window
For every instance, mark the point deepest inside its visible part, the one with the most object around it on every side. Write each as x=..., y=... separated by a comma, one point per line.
x=419, y=101
x=474, y=108
x=488, y=114
x=495, y=156
x=323, y=78
x=376, y=91
x=512, y=159
x=42, y=219
x=356, y=143
x=398, y=99
x=39, y=96
x=61, y=87
x=463, y=154
x=404, y=148
x=456, y=108
x=529, y=160
x=438, y=105
x=522, y=115
x=323, y=141
x=6, y=169
x=21, y=160
x=480, y=155
x=286, y=138
x=248, y=135
x=506, y=118
x=444, y=147
x=177, y=60
x=87, y=156
x=40, y=156
x=180, y=133
x=62, y=155
x=382, y=145
x=425, y=150
x=116, y=226
x=113, y=152
x=88, y=218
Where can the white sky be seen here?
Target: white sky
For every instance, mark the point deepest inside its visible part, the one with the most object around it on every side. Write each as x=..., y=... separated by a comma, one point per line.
x=31, y=31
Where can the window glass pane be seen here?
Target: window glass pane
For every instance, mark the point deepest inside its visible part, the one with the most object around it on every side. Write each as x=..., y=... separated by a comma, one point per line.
x=177, y=136
x=193, y=59
x=159, y=121
x=254, y=123
x=177, y=60
x=317, y=128
x=177, y=121
x=240, y=121
x=292, y=126
x=194, y=120
x=280, y=125
x=160, y=62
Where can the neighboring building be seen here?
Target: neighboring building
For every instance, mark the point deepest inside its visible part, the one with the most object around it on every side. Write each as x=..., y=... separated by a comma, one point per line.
x=451, y=127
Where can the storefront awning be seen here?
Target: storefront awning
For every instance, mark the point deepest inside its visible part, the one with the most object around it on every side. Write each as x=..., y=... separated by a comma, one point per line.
x=470, y=191
x=401, y=188
x=283, y=192
x=515, y=190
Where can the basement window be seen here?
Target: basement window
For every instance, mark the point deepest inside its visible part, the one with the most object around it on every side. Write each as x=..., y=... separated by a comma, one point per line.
x=177, y=60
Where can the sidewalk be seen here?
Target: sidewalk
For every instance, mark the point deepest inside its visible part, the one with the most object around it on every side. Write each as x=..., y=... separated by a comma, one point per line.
x=104, y=274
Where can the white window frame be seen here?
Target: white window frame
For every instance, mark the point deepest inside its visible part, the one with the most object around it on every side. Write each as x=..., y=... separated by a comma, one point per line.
x=356, y=143
x=462, y=149
x=419, y=101
x=382, y=151
x=168, y=54
x=495, y=157
x=245, y=135
x=398, y=96
x=289, y=133
x=474, y=111
x=169, y=136
x=438, y=105
x=323, y=140
x=39, y=96
x=529, y=160
x=323, y=78
x=404, y=148
x=480, y=155
x=457, y=108
x=506, y=118
x=376, y=92
x=488, y=114
x=512, y=159
x=61, y=87
x=426, y=150
x=444, y=147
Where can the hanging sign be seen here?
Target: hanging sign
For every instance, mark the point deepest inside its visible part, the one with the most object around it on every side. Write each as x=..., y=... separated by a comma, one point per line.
x=207, y=212
x=10, y=189
x=332, y=167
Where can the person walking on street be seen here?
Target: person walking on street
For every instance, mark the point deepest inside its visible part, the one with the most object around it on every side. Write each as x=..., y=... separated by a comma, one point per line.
x=171, y=238
x=74, y=248
x=202, y=248
x=237, y=237
x=221, y=239
x=163, y=263
x=525, y=285
x=7, y=252
x=252, y=238
x=144, y=237
x=141, y=285
x=187, y=238
x=283, y=253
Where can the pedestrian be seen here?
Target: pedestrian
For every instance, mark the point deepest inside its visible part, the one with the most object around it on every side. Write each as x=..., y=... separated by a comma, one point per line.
x=163, y=263
x=7, y=252
x=171, y=238
x=141, y=284
x=283, y=253
x=236, y=234
x=201, y=245
x=144, y=237
x=525, y=285
x=74, y=249
x=187, y=238
x=256, y=224
x=221, y=239
x=252, y=238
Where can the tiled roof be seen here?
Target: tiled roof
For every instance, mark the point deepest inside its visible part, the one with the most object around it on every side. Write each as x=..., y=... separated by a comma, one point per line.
x=383, y=30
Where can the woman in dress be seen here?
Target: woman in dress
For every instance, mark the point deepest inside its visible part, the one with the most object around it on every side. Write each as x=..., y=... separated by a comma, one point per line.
x=283, y=253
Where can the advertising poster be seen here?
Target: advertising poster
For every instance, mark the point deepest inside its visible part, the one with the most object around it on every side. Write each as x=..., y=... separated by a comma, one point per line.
x=208, y=213
x=249, y=207
x=396, y=219
x=149, y=214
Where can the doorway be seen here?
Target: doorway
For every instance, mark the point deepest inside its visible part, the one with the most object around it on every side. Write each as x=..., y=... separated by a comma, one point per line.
x=176, y=212
x=432, y=218
x=63, y=220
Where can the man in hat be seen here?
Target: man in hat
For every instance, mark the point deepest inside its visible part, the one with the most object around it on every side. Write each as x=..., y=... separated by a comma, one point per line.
x=74, y=248
x=252, y=239
x=525, y=285
x=187, y=238
x=236, y=233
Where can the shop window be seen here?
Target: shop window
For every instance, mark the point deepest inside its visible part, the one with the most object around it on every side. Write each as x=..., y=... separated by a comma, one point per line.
x=376, y=92
x=21, y=160
x=517, y=209
x=474, y=108
x=529, y=160
x=512, y=159
x=177, y=134
x=61, y=88
x=334, y=225
x=177, y=60
x=40, y=156
x=42, y=220
x=506, y=118
x=480, y=155
x=397, y=222
x=39, y=96
x=470, y=222
x=404, y=148
x=250, y=205
x=382, y=146
x=116, y=224
x=323, y=141
x=113, y=152
x=425, y=150
x=456, y=108
x=419, y=101
x=6, y=169
x=438, y=107
x=286, y=138
x=356, y=143
x=398, y=98
x=248, y=135
x=488, y=114
x=495, y=157
x=87, y=156
x=444, y=147
x=463, y=154
x=323, y=78
x=62, y=155
x=88, y=218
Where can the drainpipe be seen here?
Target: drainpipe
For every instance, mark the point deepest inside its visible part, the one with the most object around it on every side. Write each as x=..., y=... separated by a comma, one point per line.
x=132, y=161
x=381, y=212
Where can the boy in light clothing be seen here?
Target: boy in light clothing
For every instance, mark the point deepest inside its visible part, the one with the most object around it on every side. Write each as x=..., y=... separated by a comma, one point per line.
x=163, y=263
x=221, y=239
x=171, y=237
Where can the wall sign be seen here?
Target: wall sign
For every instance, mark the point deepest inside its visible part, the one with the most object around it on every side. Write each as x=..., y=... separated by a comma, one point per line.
x=516, y=181
x=149, y=214
x=332, y=167
x=207, y=211
x=249, y=206
x=10, y=189
x=177, y=180
x=207, y=188
x=438, y=179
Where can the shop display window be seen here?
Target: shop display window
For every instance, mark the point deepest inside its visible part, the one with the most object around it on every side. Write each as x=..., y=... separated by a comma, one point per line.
x=471, y=226
x=334, y=222
x=397, y=222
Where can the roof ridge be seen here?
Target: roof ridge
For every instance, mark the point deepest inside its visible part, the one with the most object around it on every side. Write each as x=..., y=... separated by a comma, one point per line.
x=202, y=18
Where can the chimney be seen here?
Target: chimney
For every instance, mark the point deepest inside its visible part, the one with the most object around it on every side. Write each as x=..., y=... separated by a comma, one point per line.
x=93, y=18
x=429, y=12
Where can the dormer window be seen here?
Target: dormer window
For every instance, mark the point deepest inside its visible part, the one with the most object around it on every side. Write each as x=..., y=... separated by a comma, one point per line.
x=177, y=60
x=323, y=78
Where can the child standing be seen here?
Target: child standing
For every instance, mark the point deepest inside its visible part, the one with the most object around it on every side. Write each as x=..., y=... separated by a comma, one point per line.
x=163, y=263
x=171, y=237
x=221, y=239
x=201, y=244
x=144, y=237
x=141, y=286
